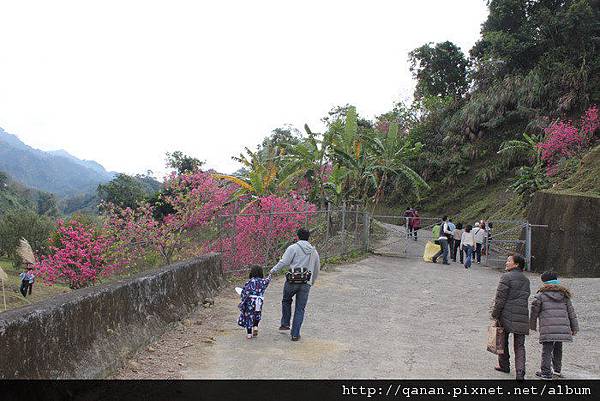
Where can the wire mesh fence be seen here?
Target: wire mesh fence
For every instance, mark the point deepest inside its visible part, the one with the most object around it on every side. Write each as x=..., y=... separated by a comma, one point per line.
x=261, y=238
x=398, y=237
x=246, y=239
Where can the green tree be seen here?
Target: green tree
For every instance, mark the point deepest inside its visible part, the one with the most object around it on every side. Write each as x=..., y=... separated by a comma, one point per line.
x=27, y=224
x=440, y=70
x=47, y=204
x=123, y=191
x=280, y=139
x=264, y=173
x=183, y=163
x=388, y=155
x=309, y=156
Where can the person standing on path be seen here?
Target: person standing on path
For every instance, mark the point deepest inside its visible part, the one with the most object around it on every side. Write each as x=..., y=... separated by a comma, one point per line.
x=416, y=220
x=408, y=216
x=512, y=313
x=457, y=233
x=558, y=323
x=304, y=264
x=445, y=234
x=467, y=241
x=452, y=227
x=479, y=234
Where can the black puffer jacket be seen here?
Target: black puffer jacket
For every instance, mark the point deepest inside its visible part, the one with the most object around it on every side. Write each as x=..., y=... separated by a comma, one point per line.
x=510, y=305
x=552, y=304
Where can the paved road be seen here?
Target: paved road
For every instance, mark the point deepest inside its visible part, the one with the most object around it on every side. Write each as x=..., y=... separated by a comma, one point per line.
x=381, y=317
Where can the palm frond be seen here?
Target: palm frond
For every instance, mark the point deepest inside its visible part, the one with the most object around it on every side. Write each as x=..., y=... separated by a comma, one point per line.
x=234, y=180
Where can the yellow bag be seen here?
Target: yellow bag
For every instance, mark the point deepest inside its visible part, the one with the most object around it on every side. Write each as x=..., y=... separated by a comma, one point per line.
x=430, y=250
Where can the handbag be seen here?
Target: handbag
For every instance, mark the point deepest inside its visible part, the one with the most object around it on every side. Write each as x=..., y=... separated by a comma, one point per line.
x=299, y=275
x=495, y=338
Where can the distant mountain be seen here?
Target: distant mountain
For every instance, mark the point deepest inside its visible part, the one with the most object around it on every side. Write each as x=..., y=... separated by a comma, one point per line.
x=85, y=163
x=57, y=172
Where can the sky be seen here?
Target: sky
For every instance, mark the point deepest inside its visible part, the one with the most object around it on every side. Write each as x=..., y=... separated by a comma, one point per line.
x=122, y=82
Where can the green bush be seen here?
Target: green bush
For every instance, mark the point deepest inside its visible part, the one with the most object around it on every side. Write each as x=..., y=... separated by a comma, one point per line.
x=27, y=224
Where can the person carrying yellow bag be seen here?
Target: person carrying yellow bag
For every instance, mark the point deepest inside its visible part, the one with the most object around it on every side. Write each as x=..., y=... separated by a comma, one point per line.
x=432, y=247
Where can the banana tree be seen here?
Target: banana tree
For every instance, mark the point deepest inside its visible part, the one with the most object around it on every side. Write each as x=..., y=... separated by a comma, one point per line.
x=522, y=149
x=387, y=155
x=263, y=176
x=309, y=158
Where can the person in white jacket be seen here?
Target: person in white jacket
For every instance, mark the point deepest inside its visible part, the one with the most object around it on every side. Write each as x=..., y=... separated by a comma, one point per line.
x=479, y=234
x=467, y=241
x=301, y=257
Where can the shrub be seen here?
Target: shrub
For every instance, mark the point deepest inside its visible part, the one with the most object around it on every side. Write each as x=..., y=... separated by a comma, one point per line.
x=564, y=140
x=78, y=256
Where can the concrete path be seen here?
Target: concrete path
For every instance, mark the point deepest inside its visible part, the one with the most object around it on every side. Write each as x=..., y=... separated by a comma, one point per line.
x=381, y=317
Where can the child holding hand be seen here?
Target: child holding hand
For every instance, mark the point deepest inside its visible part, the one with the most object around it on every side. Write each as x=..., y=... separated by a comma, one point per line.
x=252, y=298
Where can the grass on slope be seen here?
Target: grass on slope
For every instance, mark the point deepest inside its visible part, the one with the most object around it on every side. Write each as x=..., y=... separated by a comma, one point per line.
x=586, y=180
x=468, y=201
x=14, y=299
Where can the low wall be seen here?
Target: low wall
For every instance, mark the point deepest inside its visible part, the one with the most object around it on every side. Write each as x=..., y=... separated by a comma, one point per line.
x=569, y=245
x=89, y=332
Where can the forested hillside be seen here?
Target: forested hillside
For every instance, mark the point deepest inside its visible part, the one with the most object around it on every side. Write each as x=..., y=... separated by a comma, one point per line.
x=535, y=68
x=56, y=172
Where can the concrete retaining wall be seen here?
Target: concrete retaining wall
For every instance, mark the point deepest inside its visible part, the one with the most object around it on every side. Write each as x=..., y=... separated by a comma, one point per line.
x=89, y=332
x=569, y=245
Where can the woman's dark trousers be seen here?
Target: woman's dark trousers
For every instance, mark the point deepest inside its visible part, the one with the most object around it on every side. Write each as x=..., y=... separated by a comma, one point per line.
x=519, y=347
x=456, y=248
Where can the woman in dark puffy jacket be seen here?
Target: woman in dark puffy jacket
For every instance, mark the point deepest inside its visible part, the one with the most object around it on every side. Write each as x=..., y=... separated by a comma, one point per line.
x=558, y=322
x=512, y=313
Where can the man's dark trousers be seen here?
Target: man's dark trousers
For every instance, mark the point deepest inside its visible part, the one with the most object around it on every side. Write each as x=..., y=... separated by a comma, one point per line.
x=301, y=292
x=519, y=346
x=443, y=251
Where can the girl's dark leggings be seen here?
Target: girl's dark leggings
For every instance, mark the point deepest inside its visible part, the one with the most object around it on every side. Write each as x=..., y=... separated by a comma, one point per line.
x=249, y=329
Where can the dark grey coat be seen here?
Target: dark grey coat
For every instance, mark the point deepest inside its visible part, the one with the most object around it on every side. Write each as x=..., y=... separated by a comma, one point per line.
x=511, y=304
x=552, y=305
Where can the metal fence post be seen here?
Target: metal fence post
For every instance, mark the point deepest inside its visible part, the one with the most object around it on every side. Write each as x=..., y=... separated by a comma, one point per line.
x=355, y=225
x=406, y=237
x=328, y=221
x=343, y=227
x=268, y=252
x=528, y=245
x=366, y=229
x=233, y=240
x=220, y=238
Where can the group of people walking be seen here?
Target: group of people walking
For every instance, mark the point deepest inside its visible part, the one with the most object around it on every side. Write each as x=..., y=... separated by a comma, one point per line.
x=551, y=312
x=466, y=243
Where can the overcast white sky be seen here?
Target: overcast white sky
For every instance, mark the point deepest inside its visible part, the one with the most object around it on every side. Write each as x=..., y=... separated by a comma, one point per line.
x=122, y=82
